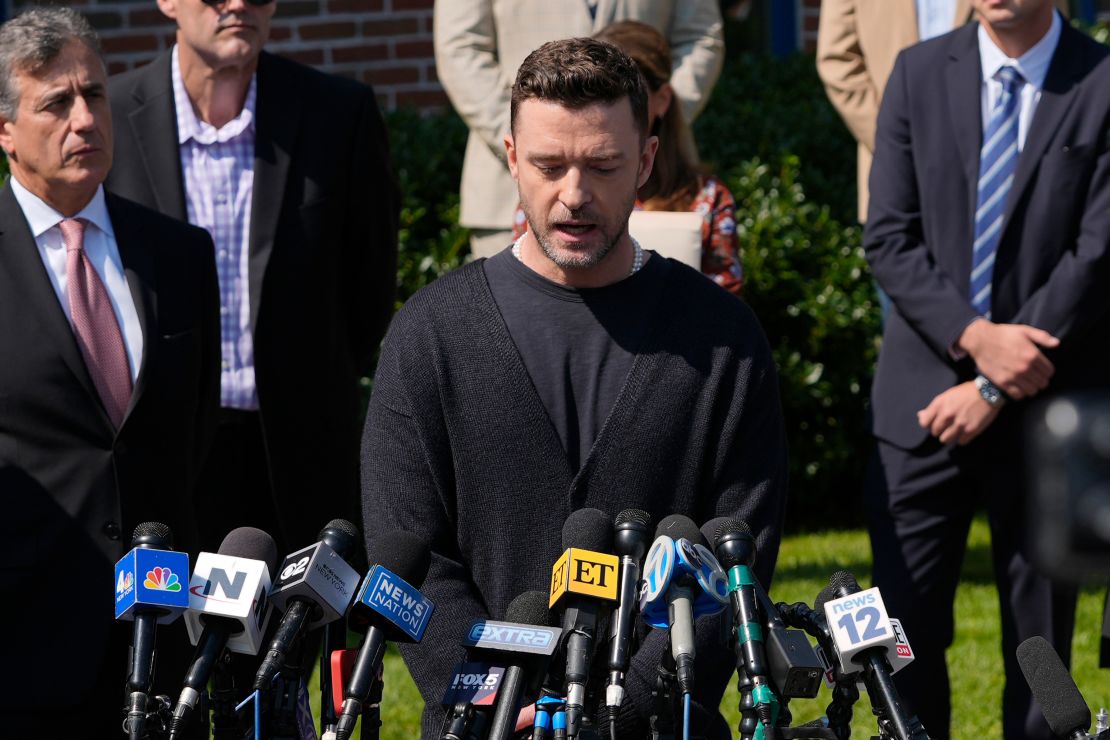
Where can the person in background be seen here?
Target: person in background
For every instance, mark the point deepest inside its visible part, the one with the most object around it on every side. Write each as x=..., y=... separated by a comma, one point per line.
x=989, y=227
x=109, y=385
x=677, y=181
x=480, y=43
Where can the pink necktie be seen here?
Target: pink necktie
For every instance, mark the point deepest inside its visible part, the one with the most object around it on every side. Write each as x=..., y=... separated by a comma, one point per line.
x=95, y=324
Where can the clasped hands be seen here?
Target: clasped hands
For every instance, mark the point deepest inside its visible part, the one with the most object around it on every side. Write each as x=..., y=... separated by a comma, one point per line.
x=1010, y=355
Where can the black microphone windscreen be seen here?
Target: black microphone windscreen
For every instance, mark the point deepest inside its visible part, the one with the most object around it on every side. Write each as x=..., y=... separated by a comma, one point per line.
x=630, y=516
x=588, y=529
x=841, y=583
x=1053, y=687
x=730, y=526
x=529, y=607
x=341, y=536
x=403, y=553
x=677, y=527
x=152, y=534
x=252, y=544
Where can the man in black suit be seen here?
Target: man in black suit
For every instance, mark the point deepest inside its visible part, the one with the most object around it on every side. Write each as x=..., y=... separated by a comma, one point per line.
x=289, y=171
x=108, y=382
x=989, y=227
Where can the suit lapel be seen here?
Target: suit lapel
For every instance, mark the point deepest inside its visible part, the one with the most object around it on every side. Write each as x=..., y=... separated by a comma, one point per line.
x=153, y=122
x=1057, y=96
x=19, y=256
x=964, y=80
x=135, y=251
x=274, y=139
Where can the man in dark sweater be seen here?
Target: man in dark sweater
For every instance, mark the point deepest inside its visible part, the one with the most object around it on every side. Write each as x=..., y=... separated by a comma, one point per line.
x=583, y=372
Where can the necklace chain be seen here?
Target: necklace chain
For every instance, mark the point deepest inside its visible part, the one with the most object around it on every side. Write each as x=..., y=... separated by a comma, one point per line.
x=637, y=253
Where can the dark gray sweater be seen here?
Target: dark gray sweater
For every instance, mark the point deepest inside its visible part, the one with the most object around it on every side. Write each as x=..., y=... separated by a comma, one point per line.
x=459, y=450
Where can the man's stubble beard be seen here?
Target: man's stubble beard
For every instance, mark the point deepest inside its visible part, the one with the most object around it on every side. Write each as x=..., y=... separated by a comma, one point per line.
x=575, y=260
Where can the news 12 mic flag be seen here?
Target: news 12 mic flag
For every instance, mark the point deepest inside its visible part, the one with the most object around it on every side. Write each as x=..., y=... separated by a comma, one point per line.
x=152, y=578
x=398, y=601
x=230, y=586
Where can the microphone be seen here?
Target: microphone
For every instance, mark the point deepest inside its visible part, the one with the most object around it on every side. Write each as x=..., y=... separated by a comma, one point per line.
x=1054, y=689
x=228, y=609
x=582, y=579
x=149, y=593
x=389, y=606
x=682, y=581
x=524, y=645
x=315, y=586
x=630, y=542
x=864, y=637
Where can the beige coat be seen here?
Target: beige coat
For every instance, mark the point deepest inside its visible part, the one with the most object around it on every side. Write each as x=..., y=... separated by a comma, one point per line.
x=857, y=42
x=479, y=44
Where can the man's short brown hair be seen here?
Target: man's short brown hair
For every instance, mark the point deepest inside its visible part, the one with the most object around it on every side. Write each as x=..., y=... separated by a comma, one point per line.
x=580, y=72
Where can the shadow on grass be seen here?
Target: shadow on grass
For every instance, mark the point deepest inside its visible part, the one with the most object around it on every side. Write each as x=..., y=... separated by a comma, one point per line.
x=977, y=568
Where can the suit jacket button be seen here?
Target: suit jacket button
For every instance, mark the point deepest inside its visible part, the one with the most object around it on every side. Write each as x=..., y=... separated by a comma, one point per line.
x=111, y=530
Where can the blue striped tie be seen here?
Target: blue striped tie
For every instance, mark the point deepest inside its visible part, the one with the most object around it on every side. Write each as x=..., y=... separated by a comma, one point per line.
x=997, y=162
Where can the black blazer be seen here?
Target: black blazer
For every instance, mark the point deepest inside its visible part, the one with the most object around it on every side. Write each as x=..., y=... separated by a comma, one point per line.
x=74, y=488
x=1052, y=267
x=322, y=261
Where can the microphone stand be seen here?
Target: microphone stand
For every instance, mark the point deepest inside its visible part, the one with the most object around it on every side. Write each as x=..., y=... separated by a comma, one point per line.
x=372, y=710
x=668, y=699
x=225, y=722
x=845, y=691
x=335, y=634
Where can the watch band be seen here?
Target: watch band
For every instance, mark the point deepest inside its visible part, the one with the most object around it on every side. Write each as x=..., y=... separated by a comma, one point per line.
x=990, y=392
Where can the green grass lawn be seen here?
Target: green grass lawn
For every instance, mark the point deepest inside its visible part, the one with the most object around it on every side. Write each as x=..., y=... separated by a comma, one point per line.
x=805, y=564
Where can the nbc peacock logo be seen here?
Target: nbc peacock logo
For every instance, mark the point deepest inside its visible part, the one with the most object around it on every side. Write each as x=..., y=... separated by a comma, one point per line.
x=162, y=579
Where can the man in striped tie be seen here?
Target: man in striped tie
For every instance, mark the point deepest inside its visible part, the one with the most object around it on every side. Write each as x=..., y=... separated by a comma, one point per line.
x=989, y=227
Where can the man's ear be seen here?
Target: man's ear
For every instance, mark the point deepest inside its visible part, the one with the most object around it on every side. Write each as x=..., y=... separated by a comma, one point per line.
x=168, y=8
x=510, y=155
x=6, y=141
x=647, y=160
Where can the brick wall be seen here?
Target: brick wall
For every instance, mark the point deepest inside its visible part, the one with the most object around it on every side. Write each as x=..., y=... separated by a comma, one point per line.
x=386, y=43
x=808, y=14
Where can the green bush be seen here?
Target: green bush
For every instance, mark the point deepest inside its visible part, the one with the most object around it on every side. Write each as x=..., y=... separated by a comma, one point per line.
x=769, y=108
x=808, y=282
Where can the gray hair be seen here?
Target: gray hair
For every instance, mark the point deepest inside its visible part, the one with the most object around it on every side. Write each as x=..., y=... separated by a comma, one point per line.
x=34, y=39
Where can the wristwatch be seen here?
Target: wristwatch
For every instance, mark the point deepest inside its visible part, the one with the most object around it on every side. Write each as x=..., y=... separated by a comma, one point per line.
x=990, y=392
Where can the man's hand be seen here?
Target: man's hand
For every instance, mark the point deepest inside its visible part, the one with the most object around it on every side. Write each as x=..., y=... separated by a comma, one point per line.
x=1010, y=355
x=958, y=415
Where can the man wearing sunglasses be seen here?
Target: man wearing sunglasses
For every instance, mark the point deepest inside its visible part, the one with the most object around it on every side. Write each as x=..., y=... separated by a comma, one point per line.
x=288, y=169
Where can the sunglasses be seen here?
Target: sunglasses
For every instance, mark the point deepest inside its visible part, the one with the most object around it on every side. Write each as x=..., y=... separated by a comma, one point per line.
x=216, y=3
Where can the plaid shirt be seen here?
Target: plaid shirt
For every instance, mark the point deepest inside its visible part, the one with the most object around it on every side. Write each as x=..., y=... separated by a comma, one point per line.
x=218, y=168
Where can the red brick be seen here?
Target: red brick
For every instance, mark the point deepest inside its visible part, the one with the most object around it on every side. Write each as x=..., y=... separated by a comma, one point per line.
x=809, y=24
x=355, y=6
x=415, y=50
x=390, y=27
x=306, y=56
x=363, y=53
x=422, y=98
x=114, y=68
x=147, y=17
x=280, y=33
x=412, y=4
x=391, y=76
x=297, y=9
x=120, y=44
x=321, y=31
x=102, y=21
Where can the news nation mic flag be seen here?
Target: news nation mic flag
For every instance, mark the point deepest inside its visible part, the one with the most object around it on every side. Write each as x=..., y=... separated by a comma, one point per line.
x=391, y=596
x=152, y=578
x=233, y=587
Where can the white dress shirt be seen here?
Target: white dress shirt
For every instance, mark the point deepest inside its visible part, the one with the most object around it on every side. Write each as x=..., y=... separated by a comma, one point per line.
x=101, y=251
x=1033, y=66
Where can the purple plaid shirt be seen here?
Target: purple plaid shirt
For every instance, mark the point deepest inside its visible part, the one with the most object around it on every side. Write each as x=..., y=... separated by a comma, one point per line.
x=218, y=166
